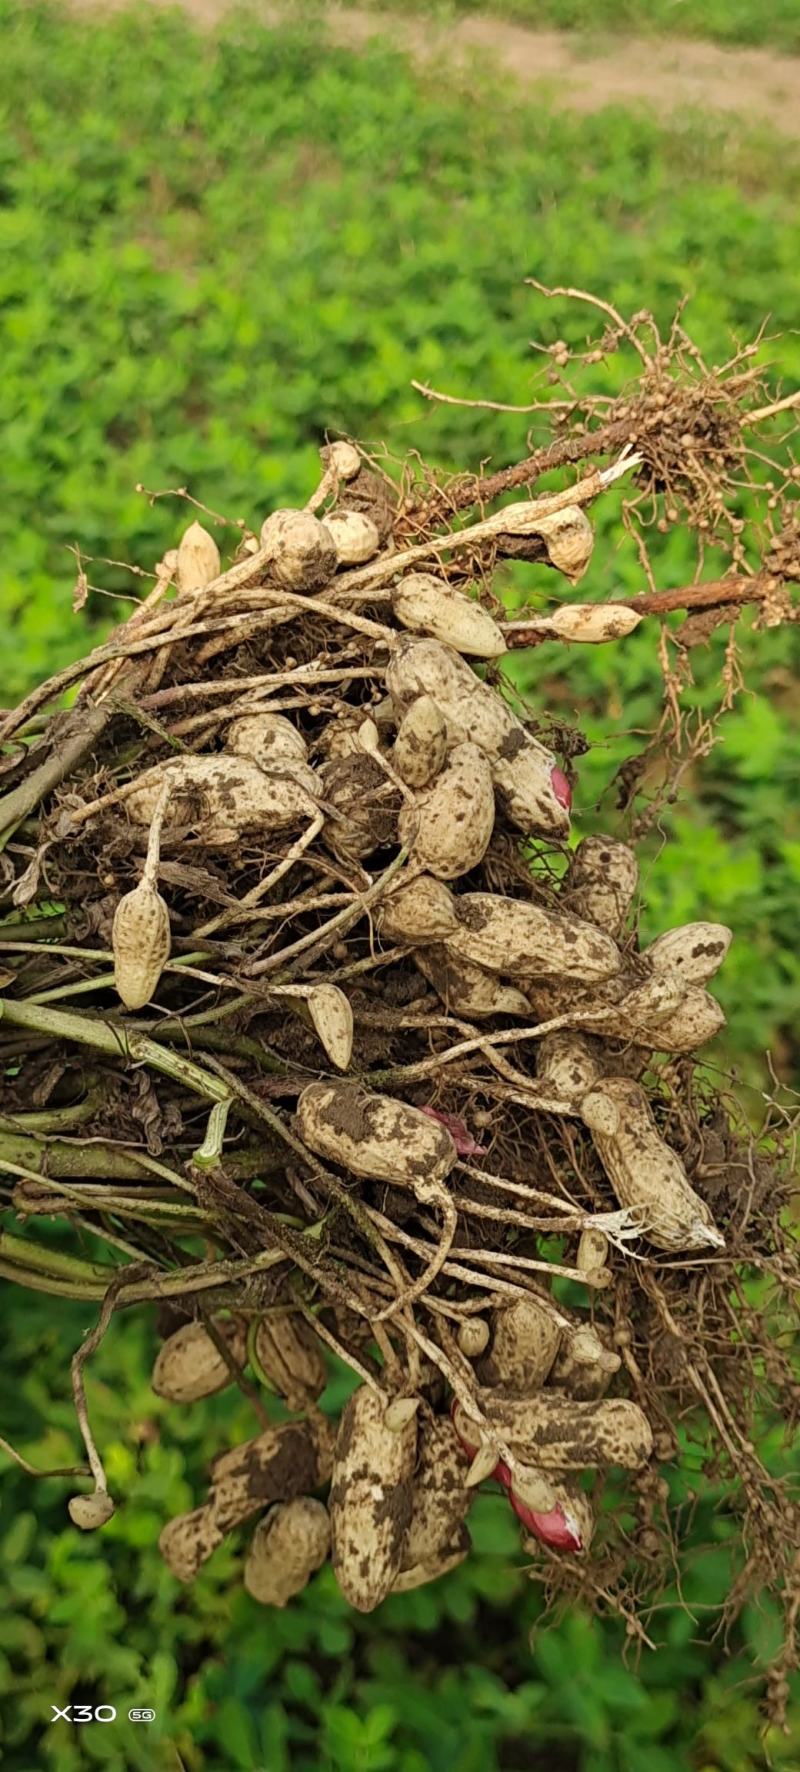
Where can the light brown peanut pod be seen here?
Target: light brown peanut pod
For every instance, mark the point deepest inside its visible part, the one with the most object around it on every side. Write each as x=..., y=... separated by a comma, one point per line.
x=420, y=747
x=525, y=1341
x=374, y=1135
x=523, y=769
x=557, y=1433
x=291, y=1459
x=646, y=1175
x=141, y=944
x=428, y=605
x=370, y=1499
x=569, y=539
x=695, y=951
x=265, y=739
x=449, y=826
x=189, y=1365
x=447, y=1557
x=592, y=1250
x=188, y=1541
x=286, y=1549
x=567, y=1064
x=693, y=1022
x=601, y=883
x=289, y=1355
x=198, y=559
x=302, y=551
x=508, y=935
x=466, y=989
x=421, y=911
x=217, y=799
x=473, y=1337
x=355, y=536
x=343, y=458
x=440, y=1498
x=332, y=1016
x=584, y=1366
x=357, y=789
x=590, y=624
x=90, y=1512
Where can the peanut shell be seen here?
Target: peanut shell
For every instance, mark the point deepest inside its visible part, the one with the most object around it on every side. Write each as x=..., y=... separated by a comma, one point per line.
x=428, y=605
x=525, y=1342
x=509, y=935
x=646, y=1175
x=288, y=1546
x=343, y=458
x=189, y=1366
x=198, y=559
x=370, y=1499
x=421, y=744
x=584, y=1365
x=447, y=1557
x=695, y=951
x=557, y=1433
x=440, y=1499
x=355, y=536
x=449, y=826
x=473, y=1337
x=590, y=624
x=421, y=911
x=332, y=1016
x=265, y=739
x=356, y=788
x=466, y=989
x=291, y=1459
x=188, y=1541
x=302, y=551
x=375, y=1136
x=141, y=943
x=566, y=1063
x=289, y=1354
x=217, y=799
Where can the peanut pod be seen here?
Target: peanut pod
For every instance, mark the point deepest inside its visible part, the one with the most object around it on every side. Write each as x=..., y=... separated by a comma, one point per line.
x=355, y=536
x=189, y=1365
x=216, y=799
x=601, y=883
x=589, y=624
x=302, y=550
x=428, y=605
x=332, y=1016
x=440, y=1499
x=557, y=1433
x=420, y=747
x=646, y=1175
x=473, y=1337
x=292, y=1459
x=370, y=1499
x=449, y=825
x=375, y=1136
x=141, y=944
x=525, y=1341
x=466, y=989
x=288, y=1546
x=695, y=951
x=198, y=559
x=188, y=1541
x=446, y=1558
x=508, y=935
x=423, y=910
x=567, y=1064
x=289, y=1355
x=584, y=1366
x=265, y=739
x=355, y=788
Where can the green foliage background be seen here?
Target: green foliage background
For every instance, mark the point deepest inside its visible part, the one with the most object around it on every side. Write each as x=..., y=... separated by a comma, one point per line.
x=210, y=254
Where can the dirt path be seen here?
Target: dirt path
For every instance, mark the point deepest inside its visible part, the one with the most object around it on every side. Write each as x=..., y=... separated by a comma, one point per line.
x=663, y=76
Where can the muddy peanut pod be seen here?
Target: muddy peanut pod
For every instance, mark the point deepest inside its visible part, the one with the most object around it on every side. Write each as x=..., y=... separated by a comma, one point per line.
x=421, y=911
x=189, y=1365
x=440, y=1499
x=198, y=559
x=289, y=1355
x=266, y=739
x=141, y=943
x=508, y=935
x=428, y=605
x=286, y=1549
x=302, y=550
x=421, y=744
x=357, y=789
x=370, y=1499
x=466, y=989
x=433, y=1568
x=525, y=1341
x=217, y=799
x=354, y=535
x=375, y=1136
x=449, y=825
x=646, y=1175
x=695, y=951
x=601, y=883
x=332, y=1017
x=473, y=1337
x=567, y=1063
x=558, y=1433
x=523, y=770
x=343, y=458
x=694, y=1021
x=187, y=1542
x=584, y=1366
x=292, y=1459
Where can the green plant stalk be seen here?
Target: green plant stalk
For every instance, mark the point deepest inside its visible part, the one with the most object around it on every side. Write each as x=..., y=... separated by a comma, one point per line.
x=59, y=1158
x=52, y=1262
x=116, y=1040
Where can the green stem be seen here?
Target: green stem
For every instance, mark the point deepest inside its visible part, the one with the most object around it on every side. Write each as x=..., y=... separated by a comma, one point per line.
x=52, y=1261
x=116, y=1040
x=58, y=1157
x=209, y=1153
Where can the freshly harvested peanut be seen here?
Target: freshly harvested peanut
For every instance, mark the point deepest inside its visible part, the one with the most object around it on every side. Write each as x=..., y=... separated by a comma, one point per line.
x=695, y=951
x=292, y=1459
x=423, y=910
x=355, y=536
x=432, y=1568
x=355, y=787
x=589, y=624
x=289, y=1355
x=592, y=1250
x=141, y=944
x=646, y=1175
x=287, y=1547
x=449, y=825
x=421, y=744
x=557, y=1433
x=569, y=539
x=523, y=769
x=466, y=989
x=601, y=882
x=89, y=1512
x=584, y=1366
x=189, y=1365
x=343, y=458
x=374, y=1135
x=188, y=1541
x=370, y=1499
x=525, y=1341
x=567, y=1064
x=198, y=559
x=265, y=738
x=302, y=551
x=332, y=1016
x=508, y=935
x=692, y=1023
x=440, y=1498
x=428, y=605
x=220, y=798
x=473, y=1337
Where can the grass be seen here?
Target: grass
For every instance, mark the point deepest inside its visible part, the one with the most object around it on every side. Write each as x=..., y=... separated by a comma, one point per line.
x=210, y=253
x=718, y=21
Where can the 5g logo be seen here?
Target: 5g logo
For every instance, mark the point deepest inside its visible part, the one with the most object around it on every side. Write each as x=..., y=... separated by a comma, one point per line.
x=84, y=1713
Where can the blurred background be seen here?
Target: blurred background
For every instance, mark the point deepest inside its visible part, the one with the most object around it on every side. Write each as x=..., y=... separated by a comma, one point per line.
x=220, y=240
